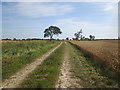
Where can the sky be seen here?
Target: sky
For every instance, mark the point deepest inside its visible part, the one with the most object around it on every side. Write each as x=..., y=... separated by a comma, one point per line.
x=0, y=21
x=30, y=19
x=59, y=0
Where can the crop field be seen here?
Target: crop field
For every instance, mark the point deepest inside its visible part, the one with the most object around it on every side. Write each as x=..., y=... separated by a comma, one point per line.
x=106, y=51
x=59, y=64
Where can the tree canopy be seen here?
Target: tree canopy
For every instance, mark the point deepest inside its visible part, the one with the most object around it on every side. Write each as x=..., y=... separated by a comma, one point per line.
x=52, y=30
x=92, y=37
x=78, y=34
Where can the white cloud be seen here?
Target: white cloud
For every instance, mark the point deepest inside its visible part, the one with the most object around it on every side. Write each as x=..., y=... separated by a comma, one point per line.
x=110, y=7
x=71, y=25
x=39, y=9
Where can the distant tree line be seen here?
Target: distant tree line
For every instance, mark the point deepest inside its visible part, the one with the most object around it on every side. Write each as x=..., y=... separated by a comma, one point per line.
x=54, y=30
x=15, y=39
x=52, y=39
x=78, y=36
x=27, y=39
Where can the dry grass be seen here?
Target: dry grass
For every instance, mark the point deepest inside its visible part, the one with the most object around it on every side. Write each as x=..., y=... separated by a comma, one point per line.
x=106, y=51
x=18, y=41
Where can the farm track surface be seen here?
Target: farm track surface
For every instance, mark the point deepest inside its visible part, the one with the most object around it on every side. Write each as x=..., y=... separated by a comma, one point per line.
x=66, y=77
x=77, y=72
x=17, y=78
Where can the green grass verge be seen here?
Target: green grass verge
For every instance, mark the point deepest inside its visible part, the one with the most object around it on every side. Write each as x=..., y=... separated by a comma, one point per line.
x=91, y=72
x=46, y=74
x=26, y=52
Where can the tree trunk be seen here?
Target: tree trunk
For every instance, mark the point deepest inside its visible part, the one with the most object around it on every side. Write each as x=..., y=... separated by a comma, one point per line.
x=51, y=37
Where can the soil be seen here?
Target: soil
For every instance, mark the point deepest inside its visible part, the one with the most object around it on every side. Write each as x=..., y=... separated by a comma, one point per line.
x=66, y=77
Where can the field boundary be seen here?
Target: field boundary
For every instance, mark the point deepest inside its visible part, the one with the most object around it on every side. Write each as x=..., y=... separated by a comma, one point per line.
x=96, y=59
x=115, y=67
x=91, y=72
x=17, y=78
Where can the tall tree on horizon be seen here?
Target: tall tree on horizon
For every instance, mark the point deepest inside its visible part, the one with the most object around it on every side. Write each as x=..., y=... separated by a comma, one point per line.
x=52, y=30
x=78, y=35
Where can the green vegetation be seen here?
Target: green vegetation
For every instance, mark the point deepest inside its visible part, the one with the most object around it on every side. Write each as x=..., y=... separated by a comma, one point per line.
x=19, y=53
x=46, y=74
x=91, y=72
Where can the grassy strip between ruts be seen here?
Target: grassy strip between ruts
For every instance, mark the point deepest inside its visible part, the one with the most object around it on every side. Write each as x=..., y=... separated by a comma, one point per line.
x=46, y=74
x=91, y=73
x=13, y=65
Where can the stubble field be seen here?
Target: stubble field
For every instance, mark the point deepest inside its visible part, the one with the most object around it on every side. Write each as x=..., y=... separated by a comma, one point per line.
x=106, y=51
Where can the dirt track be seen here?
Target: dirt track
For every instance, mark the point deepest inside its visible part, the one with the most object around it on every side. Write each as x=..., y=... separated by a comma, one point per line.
x=66, y=77
x=17, y=78
x=86, y=77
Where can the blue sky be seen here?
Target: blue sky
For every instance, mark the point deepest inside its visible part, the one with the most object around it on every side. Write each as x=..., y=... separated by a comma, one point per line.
x=0, y=20
x=30, y=19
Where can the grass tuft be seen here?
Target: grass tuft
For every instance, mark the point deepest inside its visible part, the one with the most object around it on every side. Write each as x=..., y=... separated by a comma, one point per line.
x=24, y=53
x=46, y=74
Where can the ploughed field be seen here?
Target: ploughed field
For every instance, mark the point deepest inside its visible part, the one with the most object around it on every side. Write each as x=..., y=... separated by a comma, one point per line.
x=106, y=51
